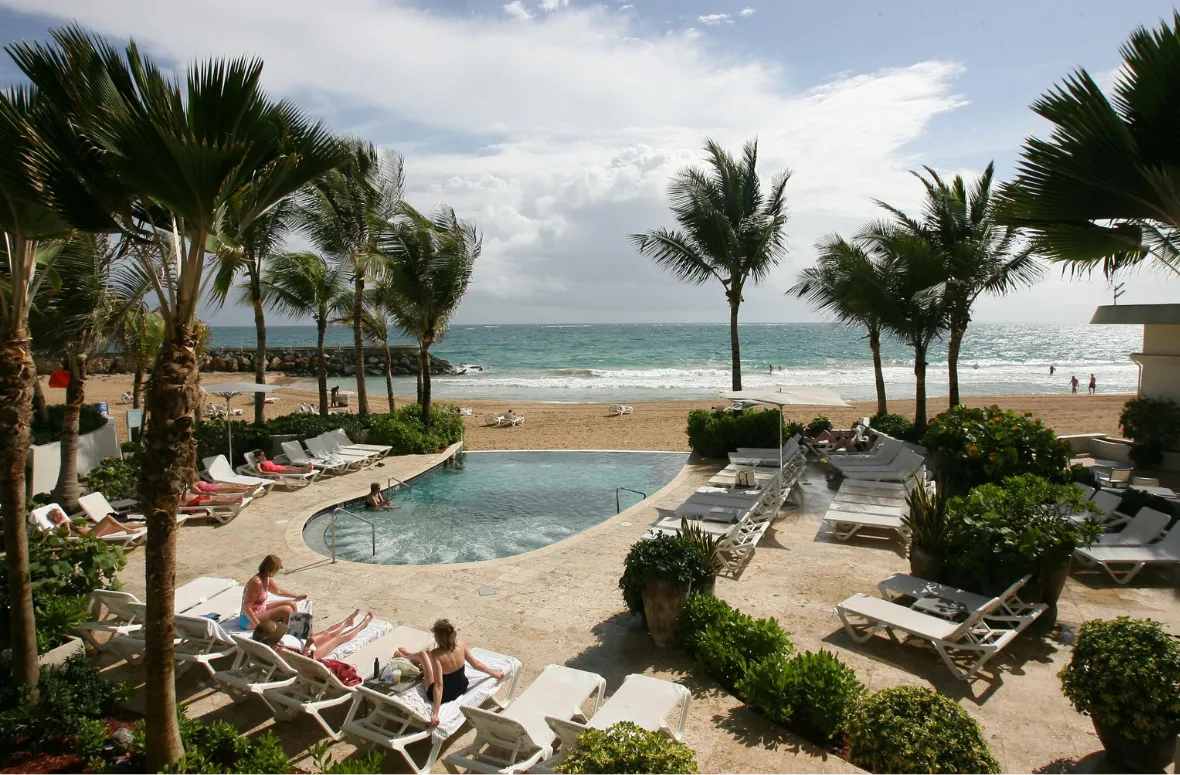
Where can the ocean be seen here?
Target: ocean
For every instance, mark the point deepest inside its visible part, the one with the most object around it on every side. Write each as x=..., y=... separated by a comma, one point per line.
x=626, y=363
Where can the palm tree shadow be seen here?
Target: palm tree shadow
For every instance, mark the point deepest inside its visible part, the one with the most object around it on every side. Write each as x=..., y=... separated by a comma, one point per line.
x=754, y=730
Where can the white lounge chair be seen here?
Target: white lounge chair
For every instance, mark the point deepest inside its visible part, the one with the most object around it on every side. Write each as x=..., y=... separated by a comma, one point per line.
x=1109, y=516
x=346, y=443
x=973, y=639
x=514, y=420
x=296, y=454
x=620, y=409
x=735, y=550
x=717, y=513
x=1142, y=529
x=290, y=480
x=882, y=453
x=256, y=668
x=321, y=449
x=111, y=612
x=1117, y=478
x=218, y=469
x=493, y=420
x=397, y=721
x=649, y=703
x=199, y=641
x=518, y=737
x=330, y=445
x=903, y=467
x=930, y=597
x=132, y=534
x=1123, y=563
x=844, y=525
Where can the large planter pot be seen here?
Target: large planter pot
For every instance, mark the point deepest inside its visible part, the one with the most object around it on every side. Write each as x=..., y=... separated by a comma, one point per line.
x=59, y=655
x=1134, y=755
x=706, y=587
x=1046, y=585
x=925, y=564
x=662, y=603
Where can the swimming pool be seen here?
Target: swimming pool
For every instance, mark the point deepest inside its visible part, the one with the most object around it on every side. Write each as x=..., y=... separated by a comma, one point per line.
x=494, y=504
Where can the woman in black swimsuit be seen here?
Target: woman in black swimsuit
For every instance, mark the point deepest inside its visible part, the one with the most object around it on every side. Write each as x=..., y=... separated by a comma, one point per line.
x=445, y=674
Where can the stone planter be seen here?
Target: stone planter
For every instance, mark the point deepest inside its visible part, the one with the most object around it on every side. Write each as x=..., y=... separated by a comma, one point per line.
x=1046, y=586
x=925, y=564
x=662, y=603
x=707, y=587
x=59, y=655
x=1134, y=755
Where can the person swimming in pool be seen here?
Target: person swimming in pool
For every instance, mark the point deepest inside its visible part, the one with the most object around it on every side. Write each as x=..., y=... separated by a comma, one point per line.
x=255, y=606
x=376, y=499
x=444, y=668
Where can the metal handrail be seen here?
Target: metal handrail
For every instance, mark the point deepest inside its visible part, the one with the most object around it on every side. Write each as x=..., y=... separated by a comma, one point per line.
x=628, y=489
x=389, y=482
x=332, y=525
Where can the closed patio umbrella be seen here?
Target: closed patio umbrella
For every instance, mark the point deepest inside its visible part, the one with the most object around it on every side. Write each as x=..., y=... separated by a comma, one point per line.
x=785, y=396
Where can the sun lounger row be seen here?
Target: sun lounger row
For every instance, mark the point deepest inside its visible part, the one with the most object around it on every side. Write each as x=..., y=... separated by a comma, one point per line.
x=860, y=505
x=894, y=463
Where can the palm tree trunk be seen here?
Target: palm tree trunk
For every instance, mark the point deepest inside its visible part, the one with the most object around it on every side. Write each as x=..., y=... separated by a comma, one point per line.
x=321, y=369
x=419, y=376
x=389, y=376
x=358, y=345
x=735, y=347
x=260, y=354
x=16, y=410
x=168, y=467
x=137, y=385
x=40, y=405
x=66, y=491
x=878, y=374
x=954, y=342
x=424, y=370
x=919, y=388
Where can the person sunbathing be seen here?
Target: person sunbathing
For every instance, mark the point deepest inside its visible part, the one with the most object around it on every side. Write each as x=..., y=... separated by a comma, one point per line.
x=191, y=498
x=255, y=606
x=444, y=669
x=199, y=485
x=108, y=525
x=376, y=499
x=319, y=644
x=271, y=467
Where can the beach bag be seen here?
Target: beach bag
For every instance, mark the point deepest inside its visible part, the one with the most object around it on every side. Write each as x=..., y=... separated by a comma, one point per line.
x=745, y=479
x=408, y=669
x=344, y=671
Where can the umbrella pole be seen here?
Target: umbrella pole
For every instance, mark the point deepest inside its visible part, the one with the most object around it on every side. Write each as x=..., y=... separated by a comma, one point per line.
x=229, y=429
x=780, y=438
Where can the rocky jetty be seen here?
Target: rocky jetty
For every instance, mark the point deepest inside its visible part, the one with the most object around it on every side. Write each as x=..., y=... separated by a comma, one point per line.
x=294, y=361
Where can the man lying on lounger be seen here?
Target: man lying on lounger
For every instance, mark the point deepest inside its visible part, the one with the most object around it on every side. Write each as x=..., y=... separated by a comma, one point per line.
x=319, y=644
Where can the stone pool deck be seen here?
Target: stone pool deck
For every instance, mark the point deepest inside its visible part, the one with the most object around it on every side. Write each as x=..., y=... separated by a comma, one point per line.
x=561, y=605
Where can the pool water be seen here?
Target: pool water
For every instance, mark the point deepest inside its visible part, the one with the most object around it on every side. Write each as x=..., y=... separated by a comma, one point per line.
x=494, y=504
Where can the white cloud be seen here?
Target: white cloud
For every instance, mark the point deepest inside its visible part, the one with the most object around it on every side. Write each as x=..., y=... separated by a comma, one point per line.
x=553, y=5
x=1106, y=79
x=517, y=10
x=558, y=137
x=712, y=19
x=747, y=11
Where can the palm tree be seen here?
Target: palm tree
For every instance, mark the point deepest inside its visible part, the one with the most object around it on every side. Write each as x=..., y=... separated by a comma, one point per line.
x=140, y=334
x=167, y=159
x=980, y=254
x=75, y=320
x=303, y=285
x=430, y=260
x=376, y=324
x=847, y=282
x=729, y=230
x=344, y=214
x=257, y=244
x=1100, y=192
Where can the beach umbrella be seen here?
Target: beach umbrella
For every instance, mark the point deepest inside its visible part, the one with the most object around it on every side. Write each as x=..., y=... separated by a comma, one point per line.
x=785, y=396
x=228, y=390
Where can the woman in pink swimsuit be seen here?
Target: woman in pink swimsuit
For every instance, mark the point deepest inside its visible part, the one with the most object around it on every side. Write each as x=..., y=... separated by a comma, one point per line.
x=255, y=607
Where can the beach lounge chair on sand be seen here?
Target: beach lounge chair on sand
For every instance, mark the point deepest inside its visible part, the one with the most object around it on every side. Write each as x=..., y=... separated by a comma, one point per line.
x=493, y=420
x=650, y=703
x=950, y=602
x=1123, y=563
x=217, y=469
x=619, y=409
x=134, y=534
x=288, y=480
x=518, y=737
x=294, y=453
x=972, y=641
x=397, y=721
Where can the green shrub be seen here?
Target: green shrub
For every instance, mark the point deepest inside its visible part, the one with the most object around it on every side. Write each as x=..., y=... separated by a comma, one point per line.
x=1154, y=425
x=90, y=735
x=999, y=532
x=811, y=693
x=669, y=558
x=913, y=729
x=728, y=650
x=404, y=431
x=977, y=446
x=217, y=747
x=307, y=425
x=1125, y=673
x=211, y=440
x=716, y=433
x=321, y=758
x=116, y=479
x=626, y=748
x=817, y=426
x=699, y=614
x=896, y=425
x=89, y=419
x=58, y=617
x=1084, y=475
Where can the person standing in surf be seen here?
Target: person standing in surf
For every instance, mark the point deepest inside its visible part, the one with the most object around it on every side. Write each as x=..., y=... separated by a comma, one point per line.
x=1093, y=385
x=1073, y=384
x=1052, y=370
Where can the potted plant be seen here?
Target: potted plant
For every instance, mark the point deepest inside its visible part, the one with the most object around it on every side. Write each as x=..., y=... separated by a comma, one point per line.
x=1000, y=532
x=925, y=520
x=709, y=546
x=657, y=577
x=1125, y=675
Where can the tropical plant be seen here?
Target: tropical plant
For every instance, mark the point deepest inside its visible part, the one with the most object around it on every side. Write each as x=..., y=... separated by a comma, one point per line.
x=717, y=432
x=895, y=425
x=167, y=159
x=925, y=518
x=1098, y=193
x=730, y=230
x=708, y=544
x=976, y=446
x=914, y=729
x=140, y=334
x=404, y=431
x=979, y=254
x=849, y=284
x=376, y=324
x=247, y=255
x=58, y=618
x=668, y=558
x=1125, y=673
x=625, y=747
x=114, y=478
x=344, y=214
x=819, y=424
x=1153, y=424
x=726, y=641
x=430, y=261
x=306, y=285
x=811, y=693
x=48, y=430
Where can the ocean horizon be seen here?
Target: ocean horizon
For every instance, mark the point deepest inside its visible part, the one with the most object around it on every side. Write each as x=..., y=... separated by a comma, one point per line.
x=577, y=363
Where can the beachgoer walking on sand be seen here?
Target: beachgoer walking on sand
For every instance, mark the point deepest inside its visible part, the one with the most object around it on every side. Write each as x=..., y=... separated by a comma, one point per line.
x=1052, y=369
x=1073, y=384
x=1093, y=385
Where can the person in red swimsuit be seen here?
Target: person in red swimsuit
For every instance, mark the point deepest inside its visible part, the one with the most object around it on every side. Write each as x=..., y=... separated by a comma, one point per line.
x=199, y=485
x=271, y=467
x=255, y=606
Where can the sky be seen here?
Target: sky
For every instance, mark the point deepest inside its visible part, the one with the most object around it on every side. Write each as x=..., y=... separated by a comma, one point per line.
x=555, y=125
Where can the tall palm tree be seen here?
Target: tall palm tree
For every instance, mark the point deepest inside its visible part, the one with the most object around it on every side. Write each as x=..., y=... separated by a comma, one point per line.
x=1100, y=192
x=140, y=334
x=256, y=244
x=430, y=260
x=167, y=157
x=730, y=230
x=307, y=285
x=980, y=253
x=848, y=283
x=377, y=323
x=343, y=214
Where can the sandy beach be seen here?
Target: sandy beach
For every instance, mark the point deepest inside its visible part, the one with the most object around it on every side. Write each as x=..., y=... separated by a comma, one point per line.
x=654, y=425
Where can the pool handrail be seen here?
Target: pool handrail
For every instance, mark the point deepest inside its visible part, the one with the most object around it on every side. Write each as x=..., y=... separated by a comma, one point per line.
x=389, y=483
x=332, y=525
x=618, y=507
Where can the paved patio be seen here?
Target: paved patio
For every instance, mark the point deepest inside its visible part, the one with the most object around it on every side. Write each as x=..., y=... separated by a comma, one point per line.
x=561, y=605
